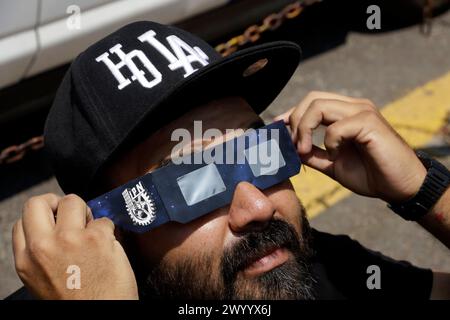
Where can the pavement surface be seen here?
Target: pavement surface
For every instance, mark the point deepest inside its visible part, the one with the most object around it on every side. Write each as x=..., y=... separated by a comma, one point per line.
x=384, y=67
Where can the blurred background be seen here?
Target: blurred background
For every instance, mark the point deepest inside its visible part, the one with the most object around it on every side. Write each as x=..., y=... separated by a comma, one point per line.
x=394, y=52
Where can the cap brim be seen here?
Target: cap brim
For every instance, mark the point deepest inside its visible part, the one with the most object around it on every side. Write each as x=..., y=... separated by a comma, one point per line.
x=229, y=76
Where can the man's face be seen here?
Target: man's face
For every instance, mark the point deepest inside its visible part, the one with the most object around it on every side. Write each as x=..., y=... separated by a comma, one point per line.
x=254, y=248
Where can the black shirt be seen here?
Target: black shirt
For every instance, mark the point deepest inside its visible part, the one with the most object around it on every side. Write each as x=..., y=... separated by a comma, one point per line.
x=340, y=266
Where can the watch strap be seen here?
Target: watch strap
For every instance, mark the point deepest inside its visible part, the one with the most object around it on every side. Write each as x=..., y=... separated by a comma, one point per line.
x=436, y=182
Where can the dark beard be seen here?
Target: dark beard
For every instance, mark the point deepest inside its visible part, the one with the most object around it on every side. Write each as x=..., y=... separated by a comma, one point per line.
x=195, y=279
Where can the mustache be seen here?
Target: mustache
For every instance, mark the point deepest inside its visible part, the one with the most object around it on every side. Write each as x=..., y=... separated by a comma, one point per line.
x=191, y=278
x=256, y=244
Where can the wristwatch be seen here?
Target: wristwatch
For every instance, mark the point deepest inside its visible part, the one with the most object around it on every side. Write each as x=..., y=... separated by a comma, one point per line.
x=436, y=182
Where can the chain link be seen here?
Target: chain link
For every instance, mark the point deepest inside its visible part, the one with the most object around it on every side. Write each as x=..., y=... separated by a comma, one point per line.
x=15, y=153
x=427, y=13
x=270, y=23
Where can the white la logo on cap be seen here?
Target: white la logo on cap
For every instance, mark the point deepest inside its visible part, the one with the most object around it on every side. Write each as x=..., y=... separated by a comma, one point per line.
x=176, y=61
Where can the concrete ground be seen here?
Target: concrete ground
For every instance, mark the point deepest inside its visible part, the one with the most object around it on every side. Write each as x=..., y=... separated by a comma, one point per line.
x=382, y=67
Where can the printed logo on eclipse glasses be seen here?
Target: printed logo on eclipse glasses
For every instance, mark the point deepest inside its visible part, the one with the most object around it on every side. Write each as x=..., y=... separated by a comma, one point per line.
x=140, y=206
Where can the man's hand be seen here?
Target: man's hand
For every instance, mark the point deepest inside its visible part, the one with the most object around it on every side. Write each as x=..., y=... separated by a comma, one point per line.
x=366, y=155
x=363, y=152
x=45, y=246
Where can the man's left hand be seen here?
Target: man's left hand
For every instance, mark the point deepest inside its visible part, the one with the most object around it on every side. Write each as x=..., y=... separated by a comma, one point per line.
x=363, y=152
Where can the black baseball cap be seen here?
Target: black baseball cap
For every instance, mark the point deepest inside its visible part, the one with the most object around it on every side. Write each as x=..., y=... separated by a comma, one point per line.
x=138, y=79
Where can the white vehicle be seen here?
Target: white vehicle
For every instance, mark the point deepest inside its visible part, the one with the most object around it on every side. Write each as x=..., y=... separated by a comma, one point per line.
x=39, y=35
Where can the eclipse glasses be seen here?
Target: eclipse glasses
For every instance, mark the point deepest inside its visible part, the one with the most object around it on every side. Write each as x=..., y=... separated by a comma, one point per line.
x=196, y=184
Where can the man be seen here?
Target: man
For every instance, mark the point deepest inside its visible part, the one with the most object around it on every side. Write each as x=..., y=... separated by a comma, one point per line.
x=113, y=121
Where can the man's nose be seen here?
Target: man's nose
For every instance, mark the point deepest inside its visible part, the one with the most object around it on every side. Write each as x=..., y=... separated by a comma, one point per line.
x=250, y=209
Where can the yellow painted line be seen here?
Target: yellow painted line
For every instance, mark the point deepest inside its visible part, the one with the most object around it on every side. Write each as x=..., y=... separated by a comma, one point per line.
x=416, y=117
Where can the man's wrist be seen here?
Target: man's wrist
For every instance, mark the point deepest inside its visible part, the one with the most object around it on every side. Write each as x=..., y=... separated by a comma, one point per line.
x=416, y=183
x=436, y=182
x=437, y=221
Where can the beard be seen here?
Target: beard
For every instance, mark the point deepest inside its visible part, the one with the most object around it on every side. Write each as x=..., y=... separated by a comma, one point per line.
x=196, y=278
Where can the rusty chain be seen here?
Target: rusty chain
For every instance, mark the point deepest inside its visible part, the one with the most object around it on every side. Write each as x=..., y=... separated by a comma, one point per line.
x=427, y=14
x=270, y=23
x=15, y=153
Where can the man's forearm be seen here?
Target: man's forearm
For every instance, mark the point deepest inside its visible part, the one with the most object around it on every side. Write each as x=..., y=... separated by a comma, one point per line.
x=437, y=221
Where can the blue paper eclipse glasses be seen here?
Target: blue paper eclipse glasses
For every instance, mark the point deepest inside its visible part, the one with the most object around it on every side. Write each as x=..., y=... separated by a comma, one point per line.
x=197, y=184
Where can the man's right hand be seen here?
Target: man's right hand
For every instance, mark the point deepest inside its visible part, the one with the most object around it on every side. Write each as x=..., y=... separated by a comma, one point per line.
x=56, y=233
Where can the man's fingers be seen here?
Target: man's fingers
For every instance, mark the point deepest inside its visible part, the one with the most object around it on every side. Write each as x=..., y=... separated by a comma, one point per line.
x=72, y=213
x=314, y=95
x=89, y=215
x=102, y=224
x=318, y=159
x=284, y=116
x=19, y=247
x=352, y=128
x=324, y=112
x=38, y=215
x=18, y=238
